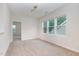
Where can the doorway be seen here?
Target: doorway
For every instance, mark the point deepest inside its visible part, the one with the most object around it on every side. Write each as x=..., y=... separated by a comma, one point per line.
x=16, y=30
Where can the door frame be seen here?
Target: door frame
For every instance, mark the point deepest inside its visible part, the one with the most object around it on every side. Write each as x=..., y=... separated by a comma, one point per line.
x=12, y=29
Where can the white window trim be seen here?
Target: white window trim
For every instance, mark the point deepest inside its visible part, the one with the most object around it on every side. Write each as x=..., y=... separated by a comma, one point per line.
x=47, y=27
x=55, y=26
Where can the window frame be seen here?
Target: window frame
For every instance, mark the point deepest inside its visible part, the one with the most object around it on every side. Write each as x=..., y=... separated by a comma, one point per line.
x=55, y=28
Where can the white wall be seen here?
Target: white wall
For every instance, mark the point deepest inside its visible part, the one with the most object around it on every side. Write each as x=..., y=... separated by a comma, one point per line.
x=71, y=39
x=5, y=37
x=28, y=25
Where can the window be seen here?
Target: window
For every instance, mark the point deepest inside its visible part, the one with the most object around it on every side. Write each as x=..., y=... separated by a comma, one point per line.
x=61, y=25
x=51, y=26
x=60, y=20
x=55, y=26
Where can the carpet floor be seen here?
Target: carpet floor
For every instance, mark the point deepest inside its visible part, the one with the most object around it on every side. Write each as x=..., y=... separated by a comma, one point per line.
x=36, y=47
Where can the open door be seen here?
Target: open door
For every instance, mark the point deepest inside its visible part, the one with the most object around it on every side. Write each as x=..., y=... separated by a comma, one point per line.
x=16, y=30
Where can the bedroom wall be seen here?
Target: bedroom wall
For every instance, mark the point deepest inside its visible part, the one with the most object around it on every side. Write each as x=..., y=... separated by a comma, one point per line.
x=5, y=28
x=28, y=26
x=71, y=39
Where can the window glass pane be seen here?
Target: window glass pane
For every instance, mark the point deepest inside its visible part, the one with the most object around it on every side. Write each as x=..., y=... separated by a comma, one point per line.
x=51, y=26
x=45, y=26
x=51, y=22
x=61, y=29
x=51, y=30
x=61, y=19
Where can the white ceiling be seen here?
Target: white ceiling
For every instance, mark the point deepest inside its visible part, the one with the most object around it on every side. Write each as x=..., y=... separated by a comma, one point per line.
x=25, y=8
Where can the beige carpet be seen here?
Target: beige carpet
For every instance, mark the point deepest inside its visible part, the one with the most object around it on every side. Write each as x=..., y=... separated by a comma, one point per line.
x=36, y=47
